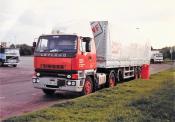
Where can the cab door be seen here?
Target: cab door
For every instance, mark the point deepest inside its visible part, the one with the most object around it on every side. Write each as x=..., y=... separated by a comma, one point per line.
x=88, y=58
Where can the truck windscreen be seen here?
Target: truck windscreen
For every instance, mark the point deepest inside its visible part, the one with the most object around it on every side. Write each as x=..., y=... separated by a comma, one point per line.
x=159, y=55
x=57, y=43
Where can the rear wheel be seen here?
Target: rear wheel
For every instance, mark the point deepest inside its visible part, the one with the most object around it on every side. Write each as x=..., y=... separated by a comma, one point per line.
x=152, y=61
x=14, y=65
x=112, y=79
x=88, y=86
x=137, y=73
x=120, y=76
x=48, y=91
x=1, y=63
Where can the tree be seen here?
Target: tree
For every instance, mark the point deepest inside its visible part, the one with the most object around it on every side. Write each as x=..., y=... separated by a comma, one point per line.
x=152, y=48
x=25, y=49
x=166, y=52
x=12, y=46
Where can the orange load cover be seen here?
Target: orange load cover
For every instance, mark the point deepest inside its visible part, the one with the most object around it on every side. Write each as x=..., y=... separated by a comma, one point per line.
x=145, y=72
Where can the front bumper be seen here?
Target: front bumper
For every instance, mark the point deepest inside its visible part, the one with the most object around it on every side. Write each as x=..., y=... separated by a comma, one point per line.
x=7, y=63
x=45, y=83
x=11, y=62
x=158, y=60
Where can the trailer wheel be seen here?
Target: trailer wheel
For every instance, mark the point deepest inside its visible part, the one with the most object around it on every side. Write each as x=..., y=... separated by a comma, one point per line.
x=48, y=92
x=120, y=76
x=88, y=86
x=139, y=73
x=112, y=79
x=136, y=73
x=136, y=76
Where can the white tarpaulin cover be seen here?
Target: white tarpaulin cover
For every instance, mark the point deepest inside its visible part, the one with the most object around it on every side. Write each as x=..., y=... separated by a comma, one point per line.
x=119, y=45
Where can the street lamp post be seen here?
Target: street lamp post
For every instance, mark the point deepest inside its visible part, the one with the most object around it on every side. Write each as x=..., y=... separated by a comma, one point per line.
x=171, y=51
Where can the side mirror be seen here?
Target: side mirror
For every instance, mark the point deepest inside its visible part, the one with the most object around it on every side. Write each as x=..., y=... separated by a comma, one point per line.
x=34, y=44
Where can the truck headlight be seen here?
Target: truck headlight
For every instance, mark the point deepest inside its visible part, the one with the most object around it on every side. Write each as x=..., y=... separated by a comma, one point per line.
x=34, y=80
x=69, y=83
x=38, y=74
x=73, y=83
x=37, y=80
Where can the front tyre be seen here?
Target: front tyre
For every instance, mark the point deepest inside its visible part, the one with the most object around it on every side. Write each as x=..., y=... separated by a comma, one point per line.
x=88, y=86
x=48, y=92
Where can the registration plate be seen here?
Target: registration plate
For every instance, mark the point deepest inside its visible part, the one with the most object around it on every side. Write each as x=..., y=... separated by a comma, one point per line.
x=12, y=61
x=52, y=82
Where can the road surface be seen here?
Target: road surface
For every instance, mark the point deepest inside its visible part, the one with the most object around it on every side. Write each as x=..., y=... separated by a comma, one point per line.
x=18, y=96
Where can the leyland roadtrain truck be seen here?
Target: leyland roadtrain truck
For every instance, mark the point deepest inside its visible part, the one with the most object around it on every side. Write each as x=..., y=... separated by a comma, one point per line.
x=77, y=63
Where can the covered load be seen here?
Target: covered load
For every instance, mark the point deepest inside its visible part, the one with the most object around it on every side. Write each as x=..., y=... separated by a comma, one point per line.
x=119, y=46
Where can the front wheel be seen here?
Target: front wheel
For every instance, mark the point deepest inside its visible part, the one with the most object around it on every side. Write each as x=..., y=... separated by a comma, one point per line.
x=88, y=86
x=48, y=92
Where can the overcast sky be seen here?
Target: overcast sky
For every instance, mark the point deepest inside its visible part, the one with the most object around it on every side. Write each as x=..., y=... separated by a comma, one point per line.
x=23, y=20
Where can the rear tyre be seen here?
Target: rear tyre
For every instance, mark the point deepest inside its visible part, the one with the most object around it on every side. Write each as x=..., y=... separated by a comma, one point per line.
x=120, y=76
x=88, y=86
x=139, y=73
x=1, y=64
x=48, y=92
x=136, y=73
x=14, y=65
x=112, y=79
x=152, y=61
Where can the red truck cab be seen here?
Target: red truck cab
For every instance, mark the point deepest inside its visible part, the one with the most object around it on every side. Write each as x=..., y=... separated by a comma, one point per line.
x=62, y=62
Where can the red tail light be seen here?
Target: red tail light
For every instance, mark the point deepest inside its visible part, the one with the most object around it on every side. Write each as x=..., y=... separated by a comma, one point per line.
x=75, y=76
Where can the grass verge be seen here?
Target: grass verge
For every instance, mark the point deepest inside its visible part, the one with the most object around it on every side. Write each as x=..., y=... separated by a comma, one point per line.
x=137, y=100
